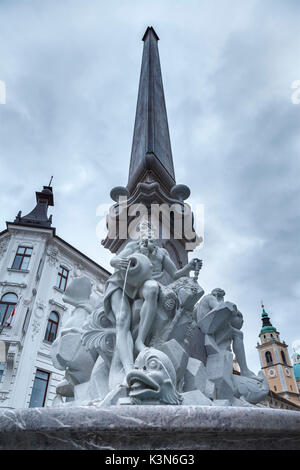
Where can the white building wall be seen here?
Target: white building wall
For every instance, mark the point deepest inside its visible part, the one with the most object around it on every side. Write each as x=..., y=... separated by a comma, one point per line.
x=36, y=291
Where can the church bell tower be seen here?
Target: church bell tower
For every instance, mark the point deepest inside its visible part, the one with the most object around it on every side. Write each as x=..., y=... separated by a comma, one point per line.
x=275, y=361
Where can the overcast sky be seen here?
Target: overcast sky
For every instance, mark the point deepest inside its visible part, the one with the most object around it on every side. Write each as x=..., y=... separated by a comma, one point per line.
x=71, y=71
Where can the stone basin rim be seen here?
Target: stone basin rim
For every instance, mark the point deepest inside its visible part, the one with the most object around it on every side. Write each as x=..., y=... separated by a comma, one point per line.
x=149, y=418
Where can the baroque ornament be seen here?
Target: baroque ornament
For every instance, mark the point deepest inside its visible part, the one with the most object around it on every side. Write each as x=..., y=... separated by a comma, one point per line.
x=52, y=256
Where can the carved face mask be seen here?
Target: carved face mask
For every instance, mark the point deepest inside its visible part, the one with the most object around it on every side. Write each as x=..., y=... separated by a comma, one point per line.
x=153, y=379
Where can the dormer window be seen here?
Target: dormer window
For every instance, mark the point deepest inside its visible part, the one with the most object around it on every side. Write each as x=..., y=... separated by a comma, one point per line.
x=22, y=258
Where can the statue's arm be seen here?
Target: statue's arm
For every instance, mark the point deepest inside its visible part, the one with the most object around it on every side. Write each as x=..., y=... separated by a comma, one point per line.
x=119, y=261
x=212, y=315
x=172, y=270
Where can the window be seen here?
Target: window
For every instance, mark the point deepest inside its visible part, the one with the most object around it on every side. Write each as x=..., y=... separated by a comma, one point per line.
x=52, y=327
x=2, y=367
x=268, y=357
x=275, y=388
x=62, y=278
x=283, y=357
x=26, y=321
x=7, y=307
x=39, y=389
x=22, y=258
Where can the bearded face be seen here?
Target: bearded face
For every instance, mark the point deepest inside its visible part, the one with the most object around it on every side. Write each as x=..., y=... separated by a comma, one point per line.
x=147, y=246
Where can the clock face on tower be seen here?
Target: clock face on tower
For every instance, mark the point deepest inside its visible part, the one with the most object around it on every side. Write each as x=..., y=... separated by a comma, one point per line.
x=272, y=372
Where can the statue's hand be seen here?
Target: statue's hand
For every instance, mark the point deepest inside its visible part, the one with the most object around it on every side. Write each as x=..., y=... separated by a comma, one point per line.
x=122, y=264
x=196, y=264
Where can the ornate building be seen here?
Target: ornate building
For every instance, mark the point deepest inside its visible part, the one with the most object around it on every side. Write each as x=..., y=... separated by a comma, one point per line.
x=276, y=364
x=36, y=266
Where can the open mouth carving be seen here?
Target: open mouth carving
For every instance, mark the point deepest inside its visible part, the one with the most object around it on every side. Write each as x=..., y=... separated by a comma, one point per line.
x=139, y=383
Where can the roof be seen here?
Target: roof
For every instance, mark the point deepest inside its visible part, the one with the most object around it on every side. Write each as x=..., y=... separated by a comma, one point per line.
x=266, y=323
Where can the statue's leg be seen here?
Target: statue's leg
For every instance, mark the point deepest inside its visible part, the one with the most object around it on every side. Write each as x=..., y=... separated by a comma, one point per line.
x=116, y=372
x=149, y=293
x=124, y=343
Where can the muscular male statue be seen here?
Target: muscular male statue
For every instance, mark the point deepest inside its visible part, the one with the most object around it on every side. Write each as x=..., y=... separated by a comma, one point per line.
x=221, y=322
x=118, y=306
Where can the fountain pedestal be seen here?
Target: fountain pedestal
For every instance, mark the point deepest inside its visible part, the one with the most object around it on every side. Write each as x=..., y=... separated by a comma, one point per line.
x=149, y=427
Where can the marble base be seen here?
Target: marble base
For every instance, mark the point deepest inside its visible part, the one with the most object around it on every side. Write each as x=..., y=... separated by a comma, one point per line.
x=149, y=427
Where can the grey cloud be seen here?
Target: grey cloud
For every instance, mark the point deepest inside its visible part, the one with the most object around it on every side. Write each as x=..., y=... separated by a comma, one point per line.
x=72, y=70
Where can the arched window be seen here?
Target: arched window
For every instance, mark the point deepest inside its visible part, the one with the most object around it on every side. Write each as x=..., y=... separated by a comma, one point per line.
x=52, y=327
x=7, y=307
x=268, y=357
x=283, y=357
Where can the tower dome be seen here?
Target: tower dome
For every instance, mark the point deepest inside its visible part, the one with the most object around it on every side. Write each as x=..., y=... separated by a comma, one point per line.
x=266, y=323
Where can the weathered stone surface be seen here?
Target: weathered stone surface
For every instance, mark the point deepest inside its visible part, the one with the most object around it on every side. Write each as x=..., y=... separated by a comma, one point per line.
x=196, y=378
x=177, y=355
x=149, y=427
x=195, y=397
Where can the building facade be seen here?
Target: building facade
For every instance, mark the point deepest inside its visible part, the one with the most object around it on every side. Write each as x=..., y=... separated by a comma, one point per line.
x=36, y=266
x=276, y=363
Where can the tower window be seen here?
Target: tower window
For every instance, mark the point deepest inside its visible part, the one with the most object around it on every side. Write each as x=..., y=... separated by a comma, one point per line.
x=39, y=389
x=275, y=388
x=283, y=357
x=7, y=307
x=22, y=258
x=52, y=327
x=62, y=278
x=269, y=359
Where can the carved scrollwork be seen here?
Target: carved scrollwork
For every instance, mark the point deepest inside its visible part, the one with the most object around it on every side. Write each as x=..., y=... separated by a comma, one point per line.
x=99, y=334
x=3, y=247
x=52, y=256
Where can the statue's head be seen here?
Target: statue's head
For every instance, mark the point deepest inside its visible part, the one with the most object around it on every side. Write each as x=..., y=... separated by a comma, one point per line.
x=147, y=240
x=237, y=320
x=218, y=293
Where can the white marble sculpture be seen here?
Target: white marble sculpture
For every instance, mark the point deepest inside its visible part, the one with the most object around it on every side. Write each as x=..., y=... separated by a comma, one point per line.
x=132, y=347
x=221, y=322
